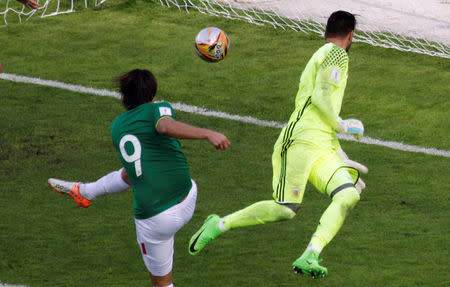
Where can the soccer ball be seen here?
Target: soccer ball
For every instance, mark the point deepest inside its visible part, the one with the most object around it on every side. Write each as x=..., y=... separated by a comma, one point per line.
x=211, y=44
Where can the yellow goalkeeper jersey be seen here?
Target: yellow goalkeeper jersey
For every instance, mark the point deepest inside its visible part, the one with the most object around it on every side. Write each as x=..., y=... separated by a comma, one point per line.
x=318, y=101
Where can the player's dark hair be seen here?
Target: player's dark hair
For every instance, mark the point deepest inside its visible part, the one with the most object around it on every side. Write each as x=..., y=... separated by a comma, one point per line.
x=137, y=87
x=339, y=24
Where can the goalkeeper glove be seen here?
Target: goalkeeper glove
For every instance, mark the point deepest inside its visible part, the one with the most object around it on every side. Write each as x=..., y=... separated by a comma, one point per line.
x=351, y=126
x=360, y=184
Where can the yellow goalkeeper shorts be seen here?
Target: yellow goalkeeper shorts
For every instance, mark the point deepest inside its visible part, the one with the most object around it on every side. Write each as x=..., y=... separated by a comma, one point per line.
x=299, y=162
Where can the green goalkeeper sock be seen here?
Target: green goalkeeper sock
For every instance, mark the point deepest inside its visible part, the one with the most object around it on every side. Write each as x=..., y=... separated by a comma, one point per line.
x=258, y=213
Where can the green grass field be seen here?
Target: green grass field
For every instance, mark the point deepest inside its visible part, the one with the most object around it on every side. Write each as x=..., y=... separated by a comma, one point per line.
x=398, y=235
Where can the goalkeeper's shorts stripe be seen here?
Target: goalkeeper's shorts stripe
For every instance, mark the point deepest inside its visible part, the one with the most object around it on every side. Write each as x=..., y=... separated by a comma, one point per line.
x=282, y=181
x=287, y=141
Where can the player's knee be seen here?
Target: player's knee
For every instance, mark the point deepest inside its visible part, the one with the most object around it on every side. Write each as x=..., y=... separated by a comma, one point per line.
x=348, y=197
x=287, y=211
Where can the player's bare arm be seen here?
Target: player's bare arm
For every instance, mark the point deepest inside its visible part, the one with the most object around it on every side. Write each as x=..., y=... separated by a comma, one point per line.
x=170, y=127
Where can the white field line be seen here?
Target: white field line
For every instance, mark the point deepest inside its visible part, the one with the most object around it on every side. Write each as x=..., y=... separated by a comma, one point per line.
x=8, y=285
x=223, y=115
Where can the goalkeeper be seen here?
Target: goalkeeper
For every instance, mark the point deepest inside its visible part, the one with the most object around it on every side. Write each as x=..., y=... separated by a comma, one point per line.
x=308, y=150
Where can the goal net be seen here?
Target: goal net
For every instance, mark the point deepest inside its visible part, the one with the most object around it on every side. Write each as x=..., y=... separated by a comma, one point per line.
x=13, y=11
x=419, y=26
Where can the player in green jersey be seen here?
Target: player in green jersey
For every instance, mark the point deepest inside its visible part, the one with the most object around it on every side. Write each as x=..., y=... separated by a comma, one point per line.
x=145, y=137
x=307, y=150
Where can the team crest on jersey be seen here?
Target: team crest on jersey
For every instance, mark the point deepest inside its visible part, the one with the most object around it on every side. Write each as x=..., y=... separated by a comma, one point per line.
x=165, y=111
x=335, y=75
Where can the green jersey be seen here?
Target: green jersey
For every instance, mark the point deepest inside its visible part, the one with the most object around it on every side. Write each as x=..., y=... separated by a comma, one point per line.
x=319, y=98
x=155, y=164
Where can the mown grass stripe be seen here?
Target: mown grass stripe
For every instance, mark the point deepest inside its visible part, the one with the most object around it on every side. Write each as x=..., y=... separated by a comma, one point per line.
x=202, y=111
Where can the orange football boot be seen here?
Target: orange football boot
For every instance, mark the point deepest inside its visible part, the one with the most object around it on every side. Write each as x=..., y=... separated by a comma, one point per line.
x=72, y=189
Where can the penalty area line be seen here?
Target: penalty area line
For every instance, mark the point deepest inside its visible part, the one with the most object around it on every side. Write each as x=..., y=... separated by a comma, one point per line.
x=203, y=111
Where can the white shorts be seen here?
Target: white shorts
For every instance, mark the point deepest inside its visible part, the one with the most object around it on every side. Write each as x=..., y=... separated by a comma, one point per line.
x=155, y=235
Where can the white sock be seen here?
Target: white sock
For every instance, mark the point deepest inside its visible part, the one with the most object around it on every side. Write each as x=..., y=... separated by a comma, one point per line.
x=315, y=248
x=221, y=226
x=110, y=183
x=171, y=285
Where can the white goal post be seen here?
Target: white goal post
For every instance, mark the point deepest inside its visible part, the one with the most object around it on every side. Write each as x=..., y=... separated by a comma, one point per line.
x=12, y=10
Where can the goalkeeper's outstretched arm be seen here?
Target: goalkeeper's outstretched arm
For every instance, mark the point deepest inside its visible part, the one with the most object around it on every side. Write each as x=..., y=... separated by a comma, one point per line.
x=330, y=83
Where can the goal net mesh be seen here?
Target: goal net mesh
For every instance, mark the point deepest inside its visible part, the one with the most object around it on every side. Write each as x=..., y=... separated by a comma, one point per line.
x=406, y=25
x=13, y=11
x=419, y=26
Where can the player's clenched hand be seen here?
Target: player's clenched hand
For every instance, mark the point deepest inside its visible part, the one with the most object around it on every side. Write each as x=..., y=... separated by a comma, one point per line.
x=218, y=140
x=30, y=4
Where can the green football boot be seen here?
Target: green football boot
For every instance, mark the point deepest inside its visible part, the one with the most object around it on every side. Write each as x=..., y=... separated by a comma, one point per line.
x=207, y=233
x=308, y=263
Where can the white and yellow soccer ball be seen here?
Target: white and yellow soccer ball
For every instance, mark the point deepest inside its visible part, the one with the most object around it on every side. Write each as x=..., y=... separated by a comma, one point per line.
x=211, y=44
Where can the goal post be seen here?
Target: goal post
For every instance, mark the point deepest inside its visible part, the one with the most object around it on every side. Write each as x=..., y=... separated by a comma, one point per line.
x=13, y=11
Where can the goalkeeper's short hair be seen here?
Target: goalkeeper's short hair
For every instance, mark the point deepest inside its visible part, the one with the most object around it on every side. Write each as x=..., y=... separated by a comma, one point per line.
x=339, y=24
